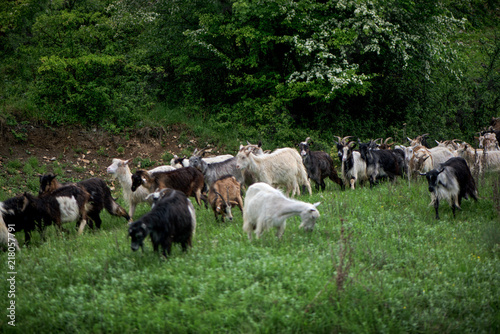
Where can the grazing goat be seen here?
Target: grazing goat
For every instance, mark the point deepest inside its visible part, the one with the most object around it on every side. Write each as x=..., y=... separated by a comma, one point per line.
x=267, y=207
x=379, y=163
x=353, y=166
x=189, y=180
x=282, y=167
x=120, y=170
x=100, y=197
x=171, y=220
x=319, y=166
x=224, y=194
x=452, y=182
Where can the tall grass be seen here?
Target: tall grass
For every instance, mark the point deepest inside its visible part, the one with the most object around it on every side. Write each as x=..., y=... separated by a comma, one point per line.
x=377, y=261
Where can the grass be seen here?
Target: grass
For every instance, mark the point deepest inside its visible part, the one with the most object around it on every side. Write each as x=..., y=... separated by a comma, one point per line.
x=400, y=270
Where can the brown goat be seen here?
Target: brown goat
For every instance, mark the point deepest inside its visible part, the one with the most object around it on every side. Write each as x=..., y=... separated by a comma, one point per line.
x=224, y=194
x=189, y=180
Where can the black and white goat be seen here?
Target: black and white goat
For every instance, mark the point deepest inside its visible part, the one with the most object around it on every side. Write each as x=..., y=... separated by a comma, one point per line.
x=171, y=220
x=452, y=182
x=353, y=167
x=379, y=163
x=15, y=214
x=100, y=197
x=319, y=166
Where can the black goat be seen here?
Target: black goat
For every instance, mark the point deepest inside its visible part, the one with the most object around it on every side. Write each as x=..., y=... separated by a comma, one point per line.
x=15, y=214
x=452, y=182
x=172, y=219
x=319, y=166
x=100, y=197
x=379, y=163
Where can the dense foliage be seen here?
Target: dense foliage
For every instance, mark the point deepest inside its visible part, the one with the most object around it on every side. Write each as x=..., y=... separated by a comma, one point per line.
x=370, y=68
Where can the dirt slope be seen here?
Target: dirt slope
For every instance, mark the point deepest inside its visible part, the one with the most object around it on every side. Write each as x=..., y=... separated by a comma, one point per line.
x=88, y=151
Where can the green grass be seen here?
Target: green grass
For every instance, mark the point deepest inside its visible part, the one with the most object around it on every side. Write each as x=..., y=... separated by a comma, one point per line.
x=394, y=269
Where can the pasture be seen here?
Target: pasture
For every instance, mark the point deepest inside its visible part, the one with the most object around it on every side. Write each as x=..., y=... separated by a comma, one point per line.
x=377, y=261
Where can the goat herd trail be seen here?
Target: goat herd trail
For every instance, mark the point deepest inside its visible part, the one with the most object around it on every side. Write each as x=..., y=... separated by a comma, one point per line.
x=86, y=152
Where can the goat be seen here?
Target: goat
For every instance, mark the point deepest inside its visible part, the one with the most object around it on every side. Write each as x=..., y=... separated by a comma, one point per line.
x=65, y=204
x=385, y=145
x=189, y=180
x=267, y=207
x=452, y=182
x=120, y=170
x=171, y=220
x=352, y=165
x=419, y=140
x=177, y=162
x=319, y=166
x=449, y=144
x=379, y=163
x=224, y=194
x=420, y=160
x=440, y=155
x=495, y=123
x=15, y=214
x=488, y=141
x=212, y=172
x=100, y=197
x=282, y=167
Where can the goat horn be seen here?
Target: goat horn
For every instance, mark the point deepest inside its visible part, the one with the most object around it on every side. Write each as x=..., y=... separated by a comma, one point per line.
x=307, y=139
x=387, y=139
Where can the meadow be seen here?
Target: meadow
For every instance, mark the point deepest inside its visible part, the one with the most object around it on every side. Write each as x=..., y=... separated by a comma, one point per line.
x=377, y=261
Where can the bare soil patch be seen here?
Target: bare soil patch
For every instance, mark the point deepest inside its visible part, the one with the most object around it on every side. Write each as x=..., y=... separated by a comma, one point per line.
x=89, y=151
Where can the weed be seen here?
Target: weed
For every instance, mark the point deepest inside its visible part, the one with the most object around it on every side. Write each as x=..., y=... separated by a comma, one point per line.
x=102, y=151
x=144, y=162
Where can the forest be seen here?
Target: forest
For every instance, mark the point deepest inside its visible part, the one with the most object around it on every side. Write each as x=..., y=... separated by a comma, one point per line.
x=265, y=69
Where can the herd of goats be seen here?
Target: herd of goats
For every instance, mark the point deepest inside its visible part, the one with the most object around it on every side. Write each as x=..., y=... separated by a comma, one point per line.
x=220, y=181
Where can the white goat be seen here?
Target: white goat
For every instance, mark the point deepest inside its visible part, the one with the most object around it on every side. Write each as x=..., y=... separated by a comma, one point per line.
x=440, y=155
x=282, y=167
x=120, y=170
x=266, y=207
